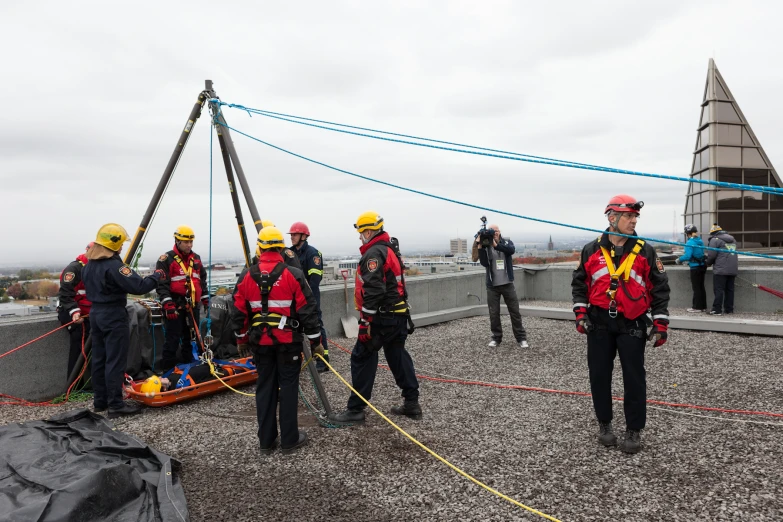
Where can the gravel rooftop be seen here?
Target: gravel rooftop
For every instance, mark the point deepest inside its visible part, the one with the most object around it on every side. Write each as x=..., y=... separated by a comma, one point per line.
x=537, y=448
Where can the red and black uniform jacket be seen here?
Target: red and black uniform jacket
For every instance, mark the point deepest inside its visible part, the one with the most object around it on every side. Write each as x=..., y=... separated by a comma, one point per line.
x=176, y=286
x=289, y=297
x=379, y=279
x=72, y=295
x=647, y=287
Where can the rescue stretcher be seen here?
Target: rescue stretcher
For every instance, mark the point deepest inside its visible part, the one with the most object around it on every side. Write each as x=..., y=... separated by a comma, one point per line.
x=239, y=373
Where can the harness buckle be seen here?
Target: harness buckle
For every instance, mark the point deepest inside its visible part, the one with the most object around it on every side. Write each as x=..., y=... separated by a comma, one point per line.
x=613, y=309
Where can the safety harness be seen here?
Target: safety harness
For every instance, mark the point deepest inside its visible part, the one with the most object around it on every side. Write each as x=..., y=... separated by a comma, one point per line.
x=624, y=269
x=188, y=279
x=402, y=307
x=265, y=322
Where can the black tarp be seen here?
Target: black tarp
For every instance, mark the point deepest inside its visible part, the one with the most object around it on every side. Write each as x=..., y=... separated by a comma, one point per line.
x=224, y=346
x=75, y=468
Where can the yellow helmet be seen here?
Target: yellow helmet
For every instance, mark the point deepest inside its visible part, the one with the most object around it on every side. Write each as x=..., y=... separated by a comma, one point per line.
x=270, y=237
x=112, y=236
x=184, y=233
x=266, y=223
x=151, y=385
x=369, y=220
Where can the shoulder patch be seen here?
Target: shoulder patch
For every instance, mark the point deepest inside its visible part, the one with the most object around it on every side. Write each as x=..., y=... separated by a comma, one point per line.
x=288, y=252
x=163, y=257
x=659, y=265
x=372, y=264
x=317, y=260
x=68, y=277
x=126, y=270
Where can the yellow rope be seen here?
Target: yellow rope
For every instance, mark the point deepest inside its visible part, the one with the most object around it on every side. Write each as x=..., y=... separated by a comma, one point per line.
x=425, y=448
x=213, y=372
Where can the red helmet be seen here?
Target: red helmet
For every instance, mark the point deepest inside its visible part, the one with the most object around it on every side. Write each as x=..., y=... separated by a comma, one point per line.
x=299, y=228
x=624, y=203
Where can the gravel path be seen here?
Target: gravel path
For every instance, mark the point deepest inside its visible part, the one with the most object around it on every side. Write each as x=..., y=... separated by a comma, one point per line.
x=538, y=448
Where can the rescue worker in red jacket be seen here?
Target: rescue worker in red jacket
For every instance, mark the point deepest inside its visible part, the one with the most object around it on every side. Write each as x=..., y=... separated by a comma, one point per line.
x=617, y=281
x=180, y=293
x=273, y=306
x=381, y=298
x=74, y=306
x=289, y=256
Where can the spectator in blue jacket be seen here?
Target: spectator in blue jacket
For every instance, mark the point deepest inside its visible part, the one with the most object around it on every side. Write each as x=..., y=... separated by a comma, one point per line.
x=697, y=261
x=497, y=261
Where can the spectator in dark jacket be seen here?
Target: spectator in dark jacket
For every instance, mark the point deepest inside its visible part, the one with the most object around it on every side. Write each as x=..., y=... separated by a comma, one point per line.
x=725, y=267
x=694, y=256
x=496, y=259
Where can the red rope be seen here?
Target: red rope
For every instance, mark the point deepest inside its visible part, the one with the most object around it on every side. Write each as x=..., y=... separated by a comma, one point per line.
x=774, y=292
x=9, y=352
x=23, y=402
x=581, y=394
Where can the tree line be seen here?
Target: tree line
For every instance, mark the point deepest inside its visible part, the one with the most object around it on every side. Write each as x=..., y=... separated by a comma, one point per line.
x=16, y=288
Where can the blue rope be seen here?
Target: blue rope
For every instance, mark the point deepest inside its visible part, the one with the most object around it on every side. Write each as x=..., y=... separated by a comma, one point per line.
x=488, y=209
x=507, y=155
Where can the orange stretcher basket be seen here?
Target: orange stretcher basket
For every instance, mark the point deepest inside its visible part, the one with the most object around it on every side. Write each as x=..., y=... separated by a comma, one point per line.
x=194, y=391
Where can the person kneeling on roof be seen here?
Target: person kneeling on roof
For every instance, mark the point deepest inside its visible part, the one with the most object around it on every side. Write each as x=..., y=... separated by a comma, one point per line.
x=273, y=305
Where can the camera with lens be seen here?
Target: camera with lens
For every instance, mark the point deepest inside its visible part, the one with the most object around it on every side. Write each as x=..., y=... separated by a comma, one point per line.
x=486, y=235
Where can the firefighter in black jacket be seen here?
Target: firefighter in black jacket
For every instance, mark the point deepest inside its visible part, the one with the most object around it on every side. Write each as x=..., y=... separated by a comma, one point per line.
x=273, y=305
x=617, y=281
x=74, y=306
x=108, y=281
x=180, y=293
x=381, y=298
x=313, y=267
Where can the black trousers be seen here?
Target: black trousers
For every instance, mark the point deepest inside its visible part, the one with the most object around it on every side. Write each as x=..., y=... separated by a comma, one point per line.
x=178, y=332
x=608, y=338
x=320, y=364
x=74, y=336
x=509, y=294
x=697, y=284
x=389, y=334
x=723, y=287
x=278, y=378
x=110, y=342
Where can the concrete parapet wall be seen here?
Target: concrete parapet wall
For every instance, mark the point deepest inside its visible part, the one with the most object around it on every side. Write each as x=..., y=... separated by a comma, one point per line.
x=554, y=284
x=37, y=372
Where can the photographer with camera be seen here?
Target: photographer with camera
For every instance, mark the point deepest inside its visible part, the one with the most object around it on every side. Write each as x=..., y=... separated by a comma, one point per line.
x=494, y=253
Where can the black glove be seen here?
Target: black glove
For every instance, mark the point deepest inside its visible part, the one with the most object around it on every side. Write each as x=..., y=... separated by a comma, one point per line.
x=316, y=347
x=659, y=333
x=583, y=324
x=171, y=310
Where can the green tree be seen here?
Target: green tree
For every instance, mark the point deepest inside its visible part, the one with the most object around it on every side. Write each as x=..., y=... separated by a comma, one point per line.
x=26, y=274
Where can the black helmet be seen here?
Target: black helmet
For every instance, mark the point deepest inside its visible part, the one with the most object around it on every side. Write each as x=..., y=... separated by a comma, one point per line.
x=690, y=228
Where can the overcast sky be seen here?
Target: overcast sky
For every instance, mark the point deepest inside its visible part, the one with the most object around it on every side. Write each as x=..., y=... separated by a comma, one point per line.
x=96, y=93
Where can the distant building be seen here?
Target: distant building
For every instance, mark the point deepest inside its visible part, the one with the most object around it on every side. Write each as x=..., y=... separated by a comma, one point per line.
x=728, y=150
x=550, y=245
x=459, y=246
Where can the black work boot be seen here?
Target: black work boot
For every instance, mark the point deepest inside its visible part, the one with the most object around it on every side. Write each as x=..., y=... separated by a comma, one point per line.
x=270, y=449
x=128, y=408
x=632, y=442
x=301, y=442
x=605, y=434
x=348, y=417
x=409, y=409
